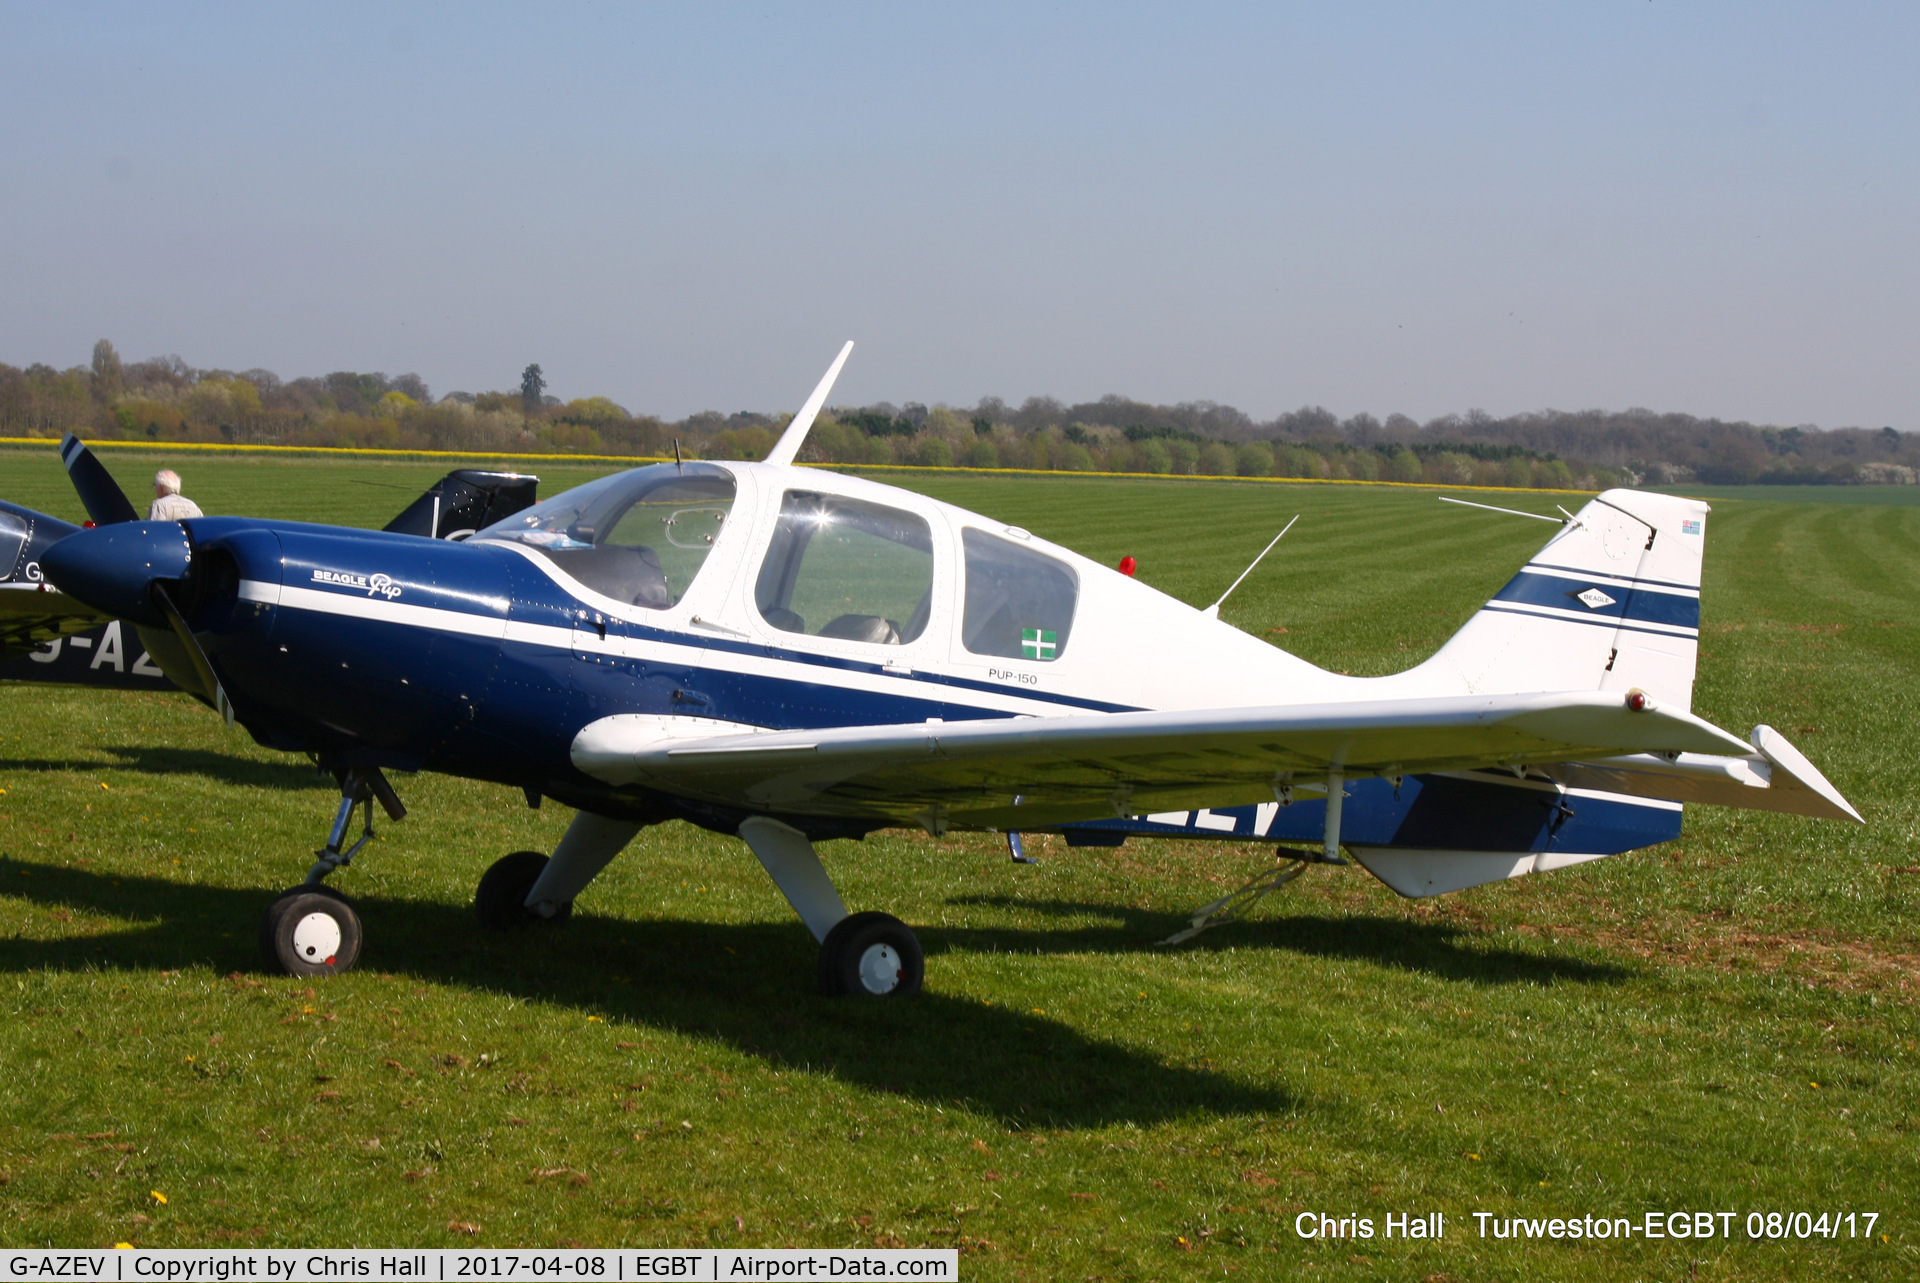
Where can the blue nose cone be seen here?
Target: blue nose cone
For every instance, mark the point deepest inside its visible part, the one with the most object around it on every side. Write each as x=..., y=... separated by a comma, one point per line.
x=110, y=567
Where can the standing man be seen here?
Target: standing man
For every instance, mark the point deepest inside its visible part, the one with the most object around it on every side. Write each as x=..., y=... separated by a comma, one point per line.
x=168, y=503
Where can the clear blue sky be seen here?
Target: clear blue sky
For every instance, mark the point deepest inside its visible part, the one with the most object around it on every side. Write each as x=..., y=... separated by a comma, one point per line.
x=1384, y=207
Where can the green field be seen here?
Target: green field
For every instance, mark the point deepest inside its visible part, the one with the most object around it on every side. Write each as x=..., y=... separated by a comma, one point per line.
x=1872, y=496
x=1724, y=1024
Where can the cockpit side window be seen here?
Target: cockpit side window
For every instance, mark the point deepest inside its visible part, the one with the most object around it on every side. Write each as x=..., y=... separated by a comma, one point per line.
x=847, y=569
x=639, y=537
x=1020, y=601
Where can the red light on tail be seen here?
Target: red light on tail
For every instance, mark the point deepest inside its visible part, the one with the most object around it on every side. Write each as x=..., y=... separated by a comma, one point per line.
x=1126, y=566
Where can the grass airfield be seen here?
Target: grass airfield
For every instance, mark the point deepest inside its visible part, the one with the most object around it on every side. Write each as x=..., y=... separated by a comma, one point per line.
x=1723, y=1024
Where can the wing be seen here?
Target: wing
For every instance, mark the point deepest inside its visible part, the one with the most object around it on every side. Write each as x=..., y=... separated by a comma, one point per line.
x=1028, y=772
x=31, y=615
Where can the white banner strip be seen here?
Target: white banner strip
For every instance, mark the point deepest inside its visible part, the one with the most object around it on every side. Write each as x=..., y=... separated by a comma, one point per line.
x=519, y=1265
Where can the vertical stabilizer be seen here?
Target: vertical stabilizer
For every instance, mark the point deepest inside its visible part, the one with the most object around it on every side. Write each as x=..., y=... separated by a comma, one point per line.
x=1611, y=603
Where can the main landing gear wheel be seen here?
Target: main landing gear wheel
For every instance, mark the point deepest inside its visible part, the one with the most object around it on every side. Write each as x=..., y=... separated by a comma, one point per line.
x=310, y=930
x=501, y=901
x=871, y=955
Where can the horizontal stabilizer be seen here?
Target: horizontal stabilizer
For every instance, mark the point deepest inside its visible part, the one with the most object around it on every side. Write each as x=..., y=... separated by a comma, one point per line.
x=1775, y=776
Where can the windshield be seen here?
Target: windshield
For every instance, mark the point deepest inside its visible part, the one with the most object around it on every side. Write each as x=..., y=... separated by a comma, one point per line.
x=638, y=537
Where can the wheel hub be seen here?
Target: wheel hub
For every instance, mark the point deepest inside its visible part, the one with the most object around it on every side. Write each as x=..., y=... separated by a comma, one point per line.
x=880, y=969
x=316, y=938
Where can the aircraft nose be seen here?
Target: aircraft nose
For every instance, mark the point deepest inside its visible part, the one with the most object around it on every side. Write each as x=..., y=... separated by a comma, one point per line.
x=110, y=567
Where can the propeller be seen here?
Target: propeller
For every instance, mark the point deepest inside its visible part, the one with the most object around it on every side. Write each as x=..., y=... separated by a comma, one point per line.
x=132, y=571
x=210, y=686
x=124, y=566
x=102, y=496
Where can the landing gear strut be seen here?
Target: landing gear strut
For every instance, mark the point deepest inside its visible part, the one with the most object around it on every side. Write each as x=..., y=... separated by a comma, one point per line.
x=862, y=954
x=311, y=929
x=501, y=900
x=527, y=888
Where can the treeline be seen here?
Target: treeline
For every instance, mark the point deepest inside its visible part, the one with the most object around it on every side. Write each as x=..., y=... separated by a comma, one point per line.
x=164, y=399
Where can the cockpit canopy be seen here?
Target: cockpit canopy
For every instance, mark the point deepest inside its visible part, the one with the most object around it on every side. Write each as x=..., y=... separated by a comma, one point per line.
x=837, y=566
x=638, y=537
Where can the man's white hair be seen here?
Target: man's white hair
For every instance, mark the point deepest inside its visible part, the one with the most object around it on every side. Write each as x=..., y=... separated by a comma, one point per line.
x=167, y=481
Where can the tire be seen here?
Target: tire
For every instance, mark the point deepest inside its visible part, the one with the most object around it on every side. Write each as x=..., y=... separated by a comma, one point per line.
x=871, y=955
x=311, y=931
x=501, y=900
x=270, y=920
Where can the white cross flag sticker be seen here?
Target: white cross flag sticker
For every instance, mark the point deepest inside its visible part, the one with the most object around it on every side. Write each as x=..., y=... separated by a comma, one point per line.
x=1038, y=643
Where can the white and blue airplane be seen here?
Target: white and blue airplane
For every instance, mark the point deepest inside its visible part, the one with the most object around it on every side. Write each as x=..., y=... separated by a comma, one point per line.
x=790, y=655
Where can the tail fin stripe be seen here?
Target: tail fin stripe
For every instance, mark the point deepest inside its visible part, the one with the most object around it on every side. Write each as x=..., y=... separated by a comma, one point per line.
x=1609, y=622
x=1633, y=579
x=1555, y=593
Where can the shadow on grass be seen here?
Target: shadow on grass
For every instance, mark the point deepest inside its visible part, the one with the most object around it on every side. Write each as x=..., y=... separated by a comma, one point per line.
x=750, y=985
x=223, y=767
x=1431, y=948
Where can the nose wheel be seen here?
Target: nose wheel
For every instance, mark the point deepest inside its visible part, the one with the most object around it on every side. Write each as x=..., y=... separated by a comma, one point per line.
x=310, y=930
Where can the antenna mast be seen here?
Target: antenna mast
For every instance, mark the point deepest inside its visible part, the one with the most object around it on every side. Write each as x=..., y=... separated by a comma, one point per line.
x=1213, y=611
x=787, y=448
x=1512, y=512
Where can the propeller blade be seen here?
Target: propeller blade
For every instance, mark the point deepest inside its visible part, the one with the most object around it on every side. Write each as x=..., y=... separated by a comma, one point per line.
x=102, y=496
x=211, y=688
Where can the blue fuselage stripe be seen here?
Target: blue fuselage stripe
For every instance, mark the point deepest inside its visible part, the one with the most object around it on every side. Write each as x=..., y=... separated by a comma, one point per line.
x=759, y=651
